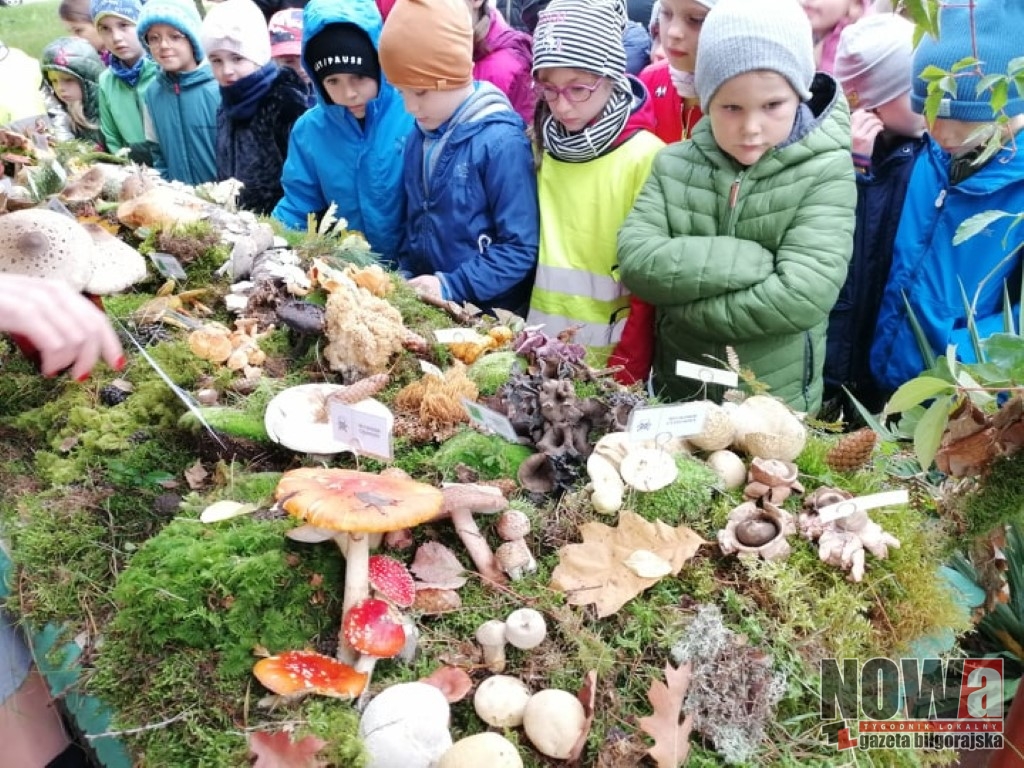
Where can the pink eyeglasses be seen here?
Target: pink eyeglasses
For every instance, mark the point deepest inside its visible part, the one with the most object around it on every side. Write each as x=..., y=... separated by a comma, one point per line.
x=575, y=93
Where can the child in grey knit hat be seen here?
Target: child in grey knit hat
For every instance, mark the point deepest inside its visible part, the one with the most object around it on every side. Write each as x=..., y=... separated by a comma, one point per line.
x=741, y=237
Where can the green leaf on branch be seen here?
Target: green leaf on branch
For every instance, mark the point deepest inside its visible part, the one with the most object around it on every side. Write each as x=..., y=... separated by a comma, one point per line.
x=1000, y=95
x=977, y=223
x=929, y=431
x=987, y=82
x=1016, y=66
x=932, y=73
x=964, y=63
x=917, y=391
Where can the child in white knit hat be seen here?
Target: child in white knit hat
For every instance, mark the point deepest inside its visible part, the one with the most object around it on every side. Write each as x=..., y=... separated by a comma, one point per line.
x=741, y=236
x=874, y=65
x=259, y=102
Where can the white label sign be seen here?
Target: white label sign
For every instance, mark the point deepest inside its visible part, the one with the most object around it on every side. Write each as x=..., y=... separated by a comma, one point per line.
x=454, y=335
x=707, y=374
x=366, y=434
x=659, y=421
x=847, y=507
x=491, y=420
x=430, y=369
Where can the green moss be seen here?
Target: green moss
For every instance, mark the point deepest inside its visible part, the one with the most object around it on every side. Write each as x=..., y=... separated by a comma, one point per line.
x=338, y=724
x=419, y=316
x=493, y=457
x=492, y=370
x=688, y=500
x=980, y=508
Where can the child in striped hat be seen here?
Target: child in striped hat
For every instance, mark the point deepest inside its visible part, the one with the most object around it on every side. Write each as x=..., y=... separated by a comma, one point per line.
x=592, y=128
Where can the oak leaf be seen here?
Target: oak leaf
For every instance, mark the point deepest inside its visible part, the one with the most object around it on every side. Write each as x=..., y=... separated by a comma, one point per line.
x=277, y=750
x=599, y=570
x=671, y=737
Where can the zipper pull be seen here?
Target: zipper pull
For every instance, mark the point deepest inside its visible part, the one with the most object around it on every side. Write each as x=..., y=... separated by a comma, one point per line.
x=734, y=192
x=940, y=199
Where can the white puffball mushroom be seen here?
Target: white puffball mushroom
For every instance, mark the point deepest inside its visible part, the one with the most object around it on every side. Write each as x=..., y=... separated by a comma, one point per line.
x=730, y=467
x=490, y=750
x=406, y=726
x=492, y=639
x=718, y=431
x=525, y=628
x=553, y=722
x=500, y=700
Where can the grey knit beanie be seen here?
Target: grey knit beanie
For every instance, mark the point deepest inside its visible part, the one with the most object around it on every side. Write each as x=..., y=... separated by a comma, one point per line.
x=741, y=36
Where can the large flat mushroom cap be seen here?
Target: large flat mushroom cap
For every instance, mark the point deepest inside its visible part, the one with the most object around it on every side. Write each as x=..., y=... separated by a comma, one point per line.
x=41, y=243
x=356, y=502
x=116, y=265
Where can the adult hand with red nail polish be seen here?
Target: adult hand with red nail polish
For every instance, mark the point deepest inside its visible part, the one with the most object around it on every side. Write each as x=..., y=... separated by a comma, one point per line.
x=67, y=330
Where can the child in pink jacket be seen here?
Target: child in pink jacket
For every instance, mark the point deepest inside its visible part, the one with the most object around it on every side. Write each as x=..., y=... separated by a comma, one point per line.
x=503, y=57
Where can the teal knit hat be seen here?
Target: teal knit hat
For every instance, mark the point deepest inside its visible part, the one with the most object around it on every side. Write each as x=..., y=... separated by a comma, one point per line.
x=180, y=14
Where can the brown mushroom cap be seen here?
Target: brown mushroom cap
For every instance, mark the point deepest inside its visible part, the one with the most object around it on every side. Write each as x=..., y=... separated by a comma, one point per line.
x=356, y=502
x=41, y=243
x=298, y=672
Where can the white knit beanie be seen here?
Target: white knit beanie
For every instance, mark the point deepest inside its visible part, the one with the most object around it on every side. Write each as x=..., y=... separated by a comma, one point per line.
x=741, y=36
x=237, y=26
x=875, y=60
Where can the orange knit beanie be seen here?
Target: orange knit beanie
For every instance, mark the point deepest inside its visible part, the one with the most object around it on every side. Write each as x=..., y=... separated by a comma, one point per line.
x=428, y=45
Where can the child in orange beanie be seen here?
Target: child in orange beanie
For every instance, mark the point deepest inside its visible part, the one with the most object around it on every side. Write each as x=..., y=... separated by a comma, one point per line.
x=471, y=228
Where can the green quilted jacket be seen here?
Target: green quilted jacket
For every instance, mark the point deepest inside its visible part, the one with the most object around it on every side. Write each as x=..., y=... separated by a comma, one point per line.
x=748, y=257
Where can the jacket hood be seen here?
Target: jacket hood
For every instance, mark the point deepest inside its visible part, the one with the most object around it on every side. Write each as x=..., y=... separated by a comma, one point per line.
x=197, y=76
x=486, y=106
x=501, y=37
x=73, y=56
x=822, y=125
x=320, y=13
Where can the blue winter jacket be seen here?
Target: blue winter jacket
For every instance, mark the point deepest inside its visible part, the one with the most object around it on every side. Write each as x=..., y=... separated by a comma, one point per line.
x=929, y=269
x=472, y=216
x=333, y=159
x=182, y=110
x=851, y=326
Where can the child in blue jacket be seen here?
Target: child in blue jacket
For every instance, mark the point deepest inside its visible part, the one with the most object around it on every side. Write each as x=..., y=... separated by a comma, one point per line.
x=181, y=103
x=347, y=149
x=873, y=64
x=471, y=229
x=946, y=188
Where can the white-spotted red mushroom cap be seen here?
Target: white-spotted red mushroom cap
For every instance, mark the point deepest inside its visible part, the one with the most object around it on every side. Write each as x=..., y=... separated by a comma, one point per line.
x=374, y=628
x=38, y=242
x=391, y=580
x=298, y=672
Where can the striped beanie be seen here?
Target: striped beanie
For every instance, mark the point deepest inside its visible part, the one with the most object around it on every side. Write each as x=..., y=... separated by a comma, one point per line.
x=180, y=14
x=582, y=34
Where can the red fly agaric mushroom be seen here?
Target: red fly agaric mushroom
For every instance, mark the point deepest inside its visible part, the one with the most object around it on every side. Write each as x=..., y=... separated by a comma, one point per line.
x=355, y=504
x=391, y=580
x=293, y=674
x=374, y=629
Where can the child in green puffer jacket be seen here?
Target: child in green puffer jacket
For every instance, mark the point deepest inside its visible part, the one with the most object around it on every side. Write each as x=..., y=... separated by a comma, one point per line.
x=742, y=236
x=73, y=68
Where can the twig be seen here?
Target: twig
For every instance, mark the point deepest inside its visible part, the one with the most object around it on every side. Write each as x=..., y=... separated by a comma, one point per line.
x=140, y=729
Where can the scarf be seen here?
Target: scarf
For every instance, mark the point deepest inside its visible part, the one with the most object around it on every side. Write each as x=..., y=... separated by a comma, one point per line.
x=242, y=99
x=129, y=75
x=596, y=138
x=683, y=82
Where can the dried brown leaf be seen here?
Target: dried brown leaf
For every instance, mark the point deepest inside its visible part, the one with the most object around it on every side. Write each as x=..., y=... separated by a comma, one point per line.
x=437, y=567
x=588, y=698
x=196, y=475
x=597, y=571
x=277, y=750
x=671, y=737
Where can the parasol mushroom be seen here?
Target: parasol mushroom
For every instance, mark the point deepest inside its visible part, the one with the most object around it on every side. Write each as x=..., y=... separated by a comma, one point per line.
x=294, y=674
x=355, y=504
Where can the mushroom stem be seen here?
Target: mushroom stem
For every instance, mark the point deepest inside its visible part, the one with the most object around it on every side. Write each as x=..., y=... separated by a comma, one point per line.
x=364, y=664
x=357, y=587
x=476, y=545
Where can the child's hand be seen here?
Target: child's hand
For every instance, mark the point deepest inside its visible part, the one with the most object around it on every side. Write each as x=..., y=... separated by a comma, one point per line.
x=427, y=285
x=864, y=128
x=66, y=330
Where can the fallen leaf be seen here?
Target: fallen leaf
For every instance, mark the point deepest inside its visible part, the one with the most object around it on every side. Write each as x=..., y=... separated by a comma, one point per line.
x=277, y=750
x=671, y=737
x=225, y=510
x=587, y=697
x=437, y=567
x=453, y=682
x=196, y=475
x=433, y=602
x=648, y=565
x=598, y=571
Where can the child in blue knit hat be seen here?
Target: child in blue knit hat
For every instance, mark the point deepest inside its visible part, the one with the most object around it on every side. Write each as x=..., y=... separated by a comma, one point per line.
x=950, y=184
x=123, y=84
x=182, y=101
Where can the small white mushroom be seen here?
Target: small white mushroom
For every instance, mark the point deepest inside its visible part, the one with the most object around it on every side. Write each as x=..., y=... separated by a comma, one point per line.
x=613, y=447
x=513, y=524
x=491, y=637
x=608, y=488
x=553, y=722
x=500, y=700
x=648, y=469
x=515, y=559
x=490, y=750
x=525, y=628
x=730, y=467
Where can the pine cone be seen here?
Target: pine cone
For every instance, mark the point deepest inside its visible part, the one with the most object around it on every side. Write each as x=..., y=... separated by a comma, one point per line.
x=852, y=451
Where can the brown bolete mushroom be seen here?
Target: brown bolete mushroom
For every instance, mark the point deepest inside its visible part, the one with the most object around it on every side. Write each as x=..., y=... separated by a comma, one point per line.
x=355, y=504
x=294, y=674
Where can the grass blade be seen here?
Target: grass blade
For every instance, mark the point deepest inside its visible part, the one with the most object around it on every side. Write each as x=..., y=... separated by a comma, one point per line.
x=972, y=327
x=927, y=355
